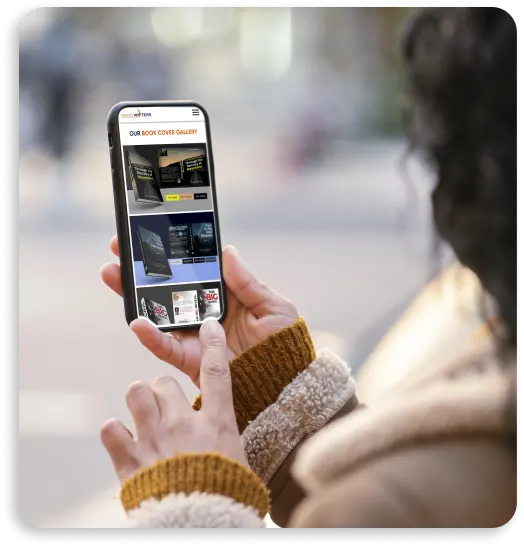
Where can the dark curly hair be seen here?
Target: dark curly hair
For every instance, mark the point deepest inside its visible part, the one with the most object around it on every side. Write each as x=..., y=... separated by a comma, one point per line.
x=461, y=67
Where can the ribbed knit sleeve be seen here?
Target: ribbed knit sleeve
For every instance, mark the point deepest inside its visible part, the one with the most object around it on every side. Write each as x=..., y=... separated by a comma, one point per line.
x=261, y=373
x=191, y=474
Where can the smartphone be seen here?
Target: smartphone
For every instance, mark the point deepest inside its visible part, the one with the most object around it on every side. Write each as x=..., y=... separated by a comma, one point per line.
x=166, y=213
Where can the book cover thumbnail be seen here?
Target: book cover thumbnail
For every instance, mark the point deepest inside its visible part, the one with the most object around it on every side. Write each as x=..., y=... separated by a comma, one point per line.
x=185, y=307
x=180, y=241
x=142, y=175
x=182, y=167
x=194, y=172
x=203, y=239
x=171, y=175
x=155, y=312
x=209, y=303
x=153, y=254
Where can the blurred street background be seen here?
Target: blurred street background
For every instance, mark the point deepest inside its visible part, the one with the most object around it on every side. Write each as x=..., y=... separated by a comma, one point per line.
x=305, y=109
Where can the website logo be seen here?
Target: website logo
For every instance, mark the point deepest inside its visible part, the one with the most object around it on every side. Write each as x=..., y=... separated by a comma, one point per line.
x=137, y=114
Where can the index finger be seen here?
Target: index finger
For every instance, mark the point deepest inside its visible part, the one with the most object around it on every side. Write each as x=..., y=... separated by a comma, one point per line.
x=215, y=377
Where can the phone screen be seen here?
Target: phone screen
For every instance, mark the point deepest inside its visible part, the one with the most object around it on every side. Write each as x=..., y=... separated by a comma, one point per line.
x=171, y=214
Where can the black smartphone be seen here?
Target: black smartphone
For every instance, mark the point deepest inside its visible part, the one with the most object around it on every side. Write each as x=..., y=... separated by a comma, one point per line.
x=166, y=213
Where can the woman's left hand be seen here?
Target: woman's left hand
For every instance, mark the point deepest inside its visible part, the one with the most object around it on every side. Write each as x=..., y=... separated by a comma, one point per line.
x=165, y=423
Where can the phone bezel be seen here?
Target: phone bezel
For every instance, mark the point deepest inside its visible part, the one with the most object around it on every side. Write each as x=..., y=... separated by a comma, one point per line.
x=119, y=185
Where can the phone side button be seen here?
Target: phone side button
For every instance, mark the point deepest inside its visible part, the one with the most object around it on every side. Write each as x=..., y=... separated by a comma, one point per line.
x=113, y=177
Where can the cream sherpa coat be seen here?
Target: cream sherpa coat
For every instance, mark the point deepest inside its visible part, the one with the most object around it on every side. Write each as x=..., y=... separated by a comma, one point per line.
x=435, y=453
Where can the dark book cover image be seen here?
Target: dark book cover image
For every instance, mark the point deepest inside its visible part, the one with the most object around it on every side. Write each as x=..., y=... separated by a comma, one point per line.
x=180, y=241
x=194, y=171
x=192, y=240
x=183, y=167
x=170, y=173
x=154, y=311
x=203, y=239
x=153, y=254
x=143, y=181
x=209, y=303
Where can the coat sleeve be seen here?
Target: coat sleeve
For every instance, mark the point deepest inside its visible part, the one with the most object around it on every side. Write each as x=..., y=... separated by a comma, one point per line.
x=283, y=393
x=195, y=491
x=286, y=492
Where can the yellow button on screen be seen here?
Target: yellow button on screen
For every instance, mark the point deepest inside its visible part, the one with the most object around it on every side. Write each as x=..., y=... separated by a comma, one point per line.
x=173, y=197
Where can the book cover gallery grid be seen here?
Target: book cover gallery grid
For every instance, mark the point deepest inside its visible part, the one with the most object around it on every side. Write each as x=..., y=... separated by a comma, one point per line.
x=175, y=255
x=167, y=178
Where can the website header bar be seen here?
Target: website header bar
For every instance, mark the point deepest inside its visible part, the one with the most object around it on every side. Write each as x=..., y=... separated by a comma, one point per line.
x=160, y=114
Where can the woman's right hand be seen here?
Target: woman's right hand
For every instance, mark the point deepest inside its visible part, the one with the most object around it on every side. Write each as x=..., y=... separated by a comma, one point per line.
x=254, y=313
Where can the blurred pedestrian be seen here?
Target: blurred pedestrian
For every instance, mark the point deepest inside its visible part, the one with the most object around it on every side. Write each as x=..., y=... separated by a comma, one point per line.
x=54, y=91
x=56, y=71
x=144, y=72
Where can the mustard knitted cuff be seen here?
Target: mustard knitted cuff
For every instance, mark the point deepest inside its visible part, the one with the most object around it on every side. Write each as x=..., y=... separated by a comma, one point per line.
x=209, y=473
x=260, y=373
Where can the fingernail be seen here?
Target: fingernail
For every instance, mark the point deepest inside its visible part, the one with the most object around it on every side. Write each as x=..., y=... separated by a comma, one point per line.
x=210, y=324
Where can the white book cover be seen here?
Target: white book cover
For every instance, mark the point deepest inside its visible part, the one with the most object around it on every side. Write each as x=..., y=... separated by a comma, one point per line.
x=185, y=307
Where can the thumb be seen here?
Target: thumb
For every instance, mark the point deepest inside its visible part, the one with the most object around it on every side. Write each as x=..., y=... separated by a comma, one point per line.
x=215, y=377
x=248, y=290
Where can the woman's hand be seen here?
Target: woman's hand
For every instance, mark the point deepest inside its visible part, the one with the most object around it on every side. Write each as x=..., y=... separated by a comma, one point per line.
x=254, y=313
x=165, y=423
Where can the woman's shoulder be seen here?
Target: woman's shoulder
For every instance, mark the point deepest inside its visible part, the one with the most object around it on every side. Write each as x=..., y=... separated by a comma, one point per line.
x=478, y=358
x=469, y=396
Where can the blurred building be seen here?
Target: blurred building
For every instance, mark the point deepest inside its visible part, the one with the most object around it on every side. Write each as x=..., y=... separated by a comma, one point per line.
x=265, y=66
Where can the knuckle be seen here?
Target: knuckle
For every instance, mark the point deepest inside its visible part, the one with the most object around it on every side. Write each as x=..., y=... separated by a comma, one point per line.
x=216, y=369
x=258, y=284
x=181, y=426
x=221, y=424
x=214, y=338
x=228, y=428
x=213, y=420
x=252, y=280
